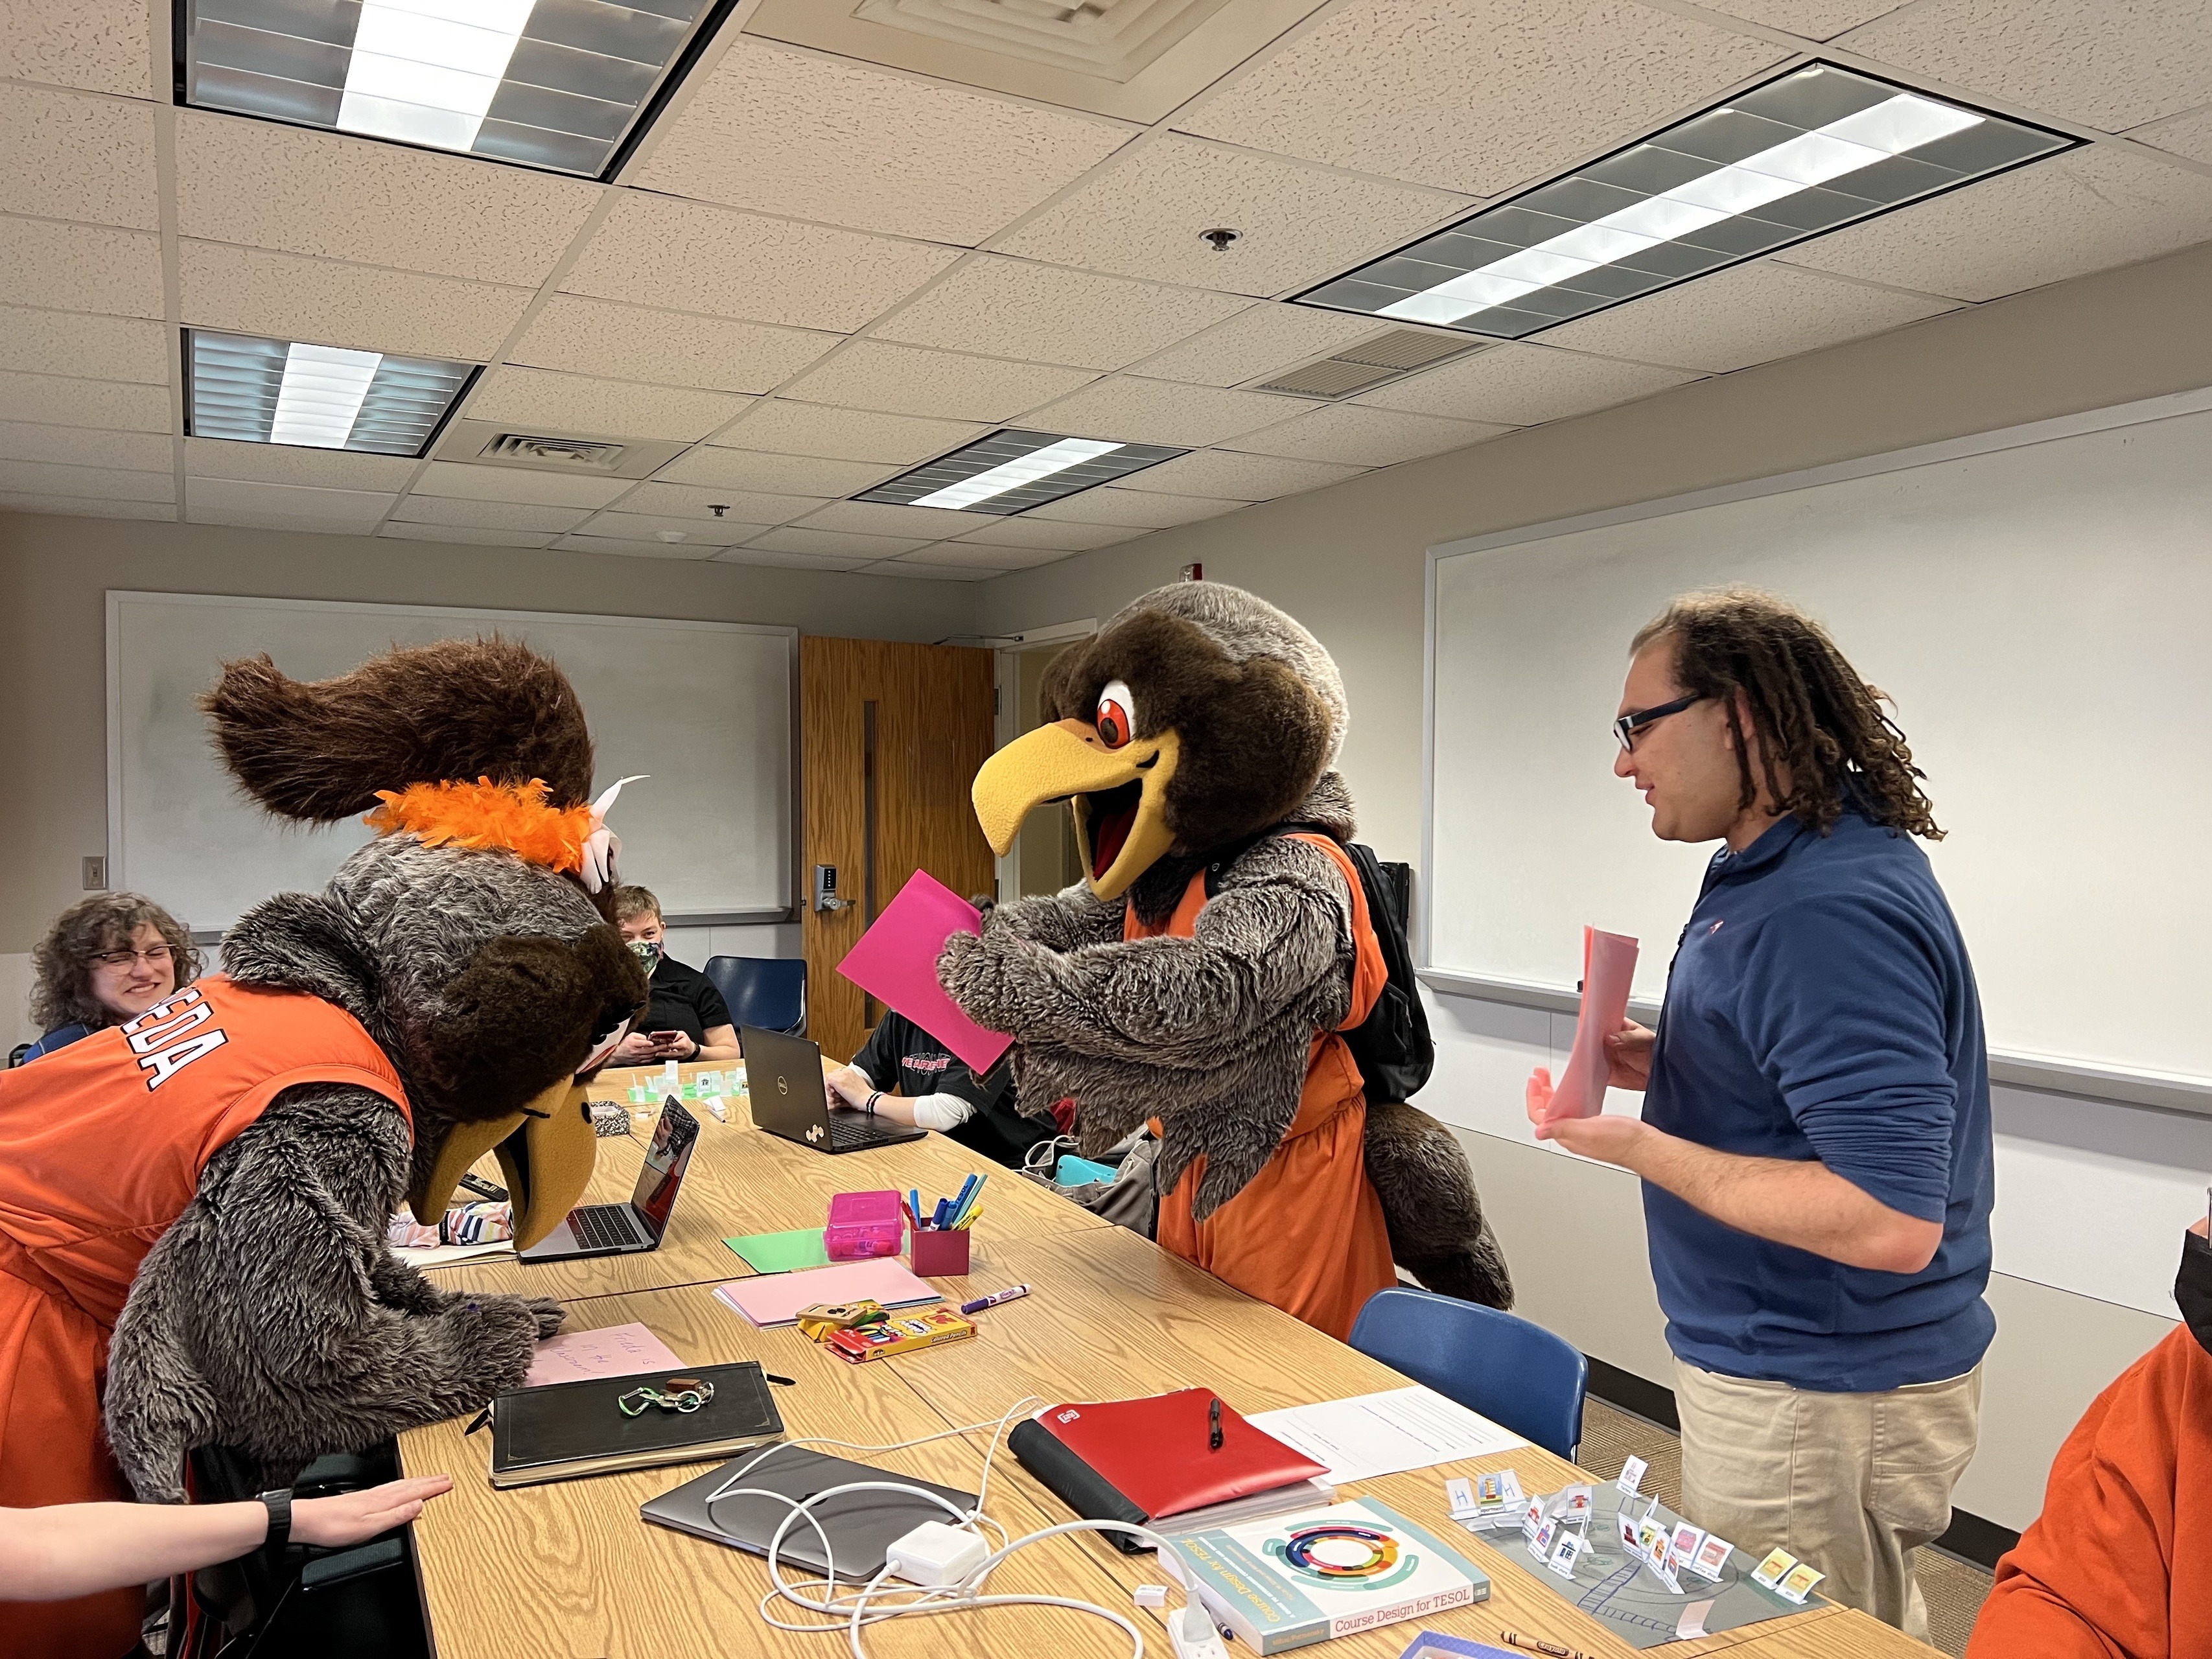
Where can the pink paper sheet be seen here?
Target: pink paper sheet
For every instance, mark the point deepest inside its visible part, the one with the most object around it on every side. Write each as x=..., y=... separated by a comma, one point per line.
x=610, y=1351
x=896, y=962
x=776, y=1298
x=1608, y=966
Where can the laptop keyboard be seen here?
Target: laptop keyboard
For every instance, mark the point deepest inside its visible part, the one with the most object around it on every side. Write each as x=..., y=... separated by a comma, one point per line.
x=602, y=1226
x=847, y=1132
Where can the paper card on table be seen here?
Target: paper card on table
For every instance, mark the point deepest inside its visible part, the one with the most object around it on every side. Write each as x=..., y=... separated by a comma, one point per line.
x=1609, y=968
x=896, y=962
x=1686, y=1540
x=1631, y=1475
x=1565, y=1553
x=1769, y=1572
x=1712, y=1557
x=1459, y=1498
x=1692, y=1624
x=780, y=1253
x=1797, y=1583
x=1377, y=1434
x=610, y=1351
x=776, y=1298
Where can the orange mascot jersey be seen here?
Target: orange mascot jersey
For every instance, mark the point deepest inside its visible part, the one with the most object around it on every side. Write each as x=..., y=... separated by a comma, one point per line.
x=101, y=1147
x=1307, y=1234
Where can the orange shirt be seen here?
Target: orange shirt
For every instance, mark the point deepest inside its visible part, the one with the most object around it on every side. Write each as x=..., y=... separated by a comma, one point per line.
x=2119, y=1563
x=1307, y=1235
x=101, y=1147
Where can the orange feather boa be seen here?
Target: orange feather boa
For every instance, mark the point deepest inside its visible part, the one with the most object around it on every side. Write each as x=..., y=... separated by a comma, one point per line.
x=512, y=816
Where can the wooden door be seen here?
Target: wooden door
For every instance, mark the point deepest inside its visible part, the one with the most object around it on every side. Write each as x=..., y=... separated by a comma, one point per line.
x=891, y=738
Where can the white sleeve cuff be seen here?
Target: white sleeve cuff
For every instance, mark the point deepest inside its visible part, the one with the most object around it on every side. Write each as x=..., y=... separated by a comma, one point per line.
x=941, y=1112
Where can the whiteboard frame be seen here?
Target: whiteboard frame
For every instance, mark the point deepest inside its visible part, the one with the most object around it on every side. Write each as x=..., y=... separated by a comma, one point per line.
x=2129, y=1085
x=116, y=598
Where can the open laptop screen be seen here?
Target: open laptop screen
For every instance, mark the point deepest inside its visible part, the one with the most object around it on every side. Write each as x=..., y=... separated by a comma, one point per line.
x=665, y=1161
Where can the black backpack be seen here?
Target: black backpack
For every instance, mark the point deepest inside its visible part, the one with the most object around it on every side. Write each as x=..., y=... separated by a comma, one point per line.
x=1392, y=1045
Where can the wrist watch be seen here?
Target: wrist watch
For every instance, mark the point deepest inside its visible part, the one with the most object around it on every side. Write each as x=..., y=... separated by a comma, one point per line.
x=279, y=1505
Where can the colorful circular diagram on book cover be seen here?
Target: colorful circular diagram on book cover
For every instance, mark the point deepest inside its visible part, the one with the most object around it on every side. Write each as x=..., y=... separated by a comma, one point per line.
x=1345, y=1555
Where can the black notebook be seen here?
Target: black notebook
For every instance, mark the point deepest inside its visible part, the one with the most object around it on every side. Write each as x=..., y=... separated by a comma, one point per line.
x=570, y=1429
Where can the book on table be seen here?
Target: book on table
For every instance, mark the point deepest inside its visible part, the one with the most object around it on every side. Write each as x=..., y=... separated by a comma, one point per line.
x=566, y=1430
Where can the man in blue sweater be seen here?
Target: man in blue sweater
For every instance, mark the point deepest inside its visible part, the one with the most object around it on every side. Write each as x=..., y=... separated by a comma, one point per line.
x=1814, y=1144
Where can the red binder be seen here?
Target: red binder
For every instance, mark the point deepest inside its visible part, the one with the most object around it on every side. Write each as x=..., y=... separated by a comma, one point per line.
x=1155, y=1452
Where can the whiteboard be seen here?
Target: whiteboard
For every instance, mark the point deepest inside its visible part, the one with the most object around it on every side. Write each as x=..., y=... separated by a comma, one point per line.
x=704, y=708
x=2037, y=603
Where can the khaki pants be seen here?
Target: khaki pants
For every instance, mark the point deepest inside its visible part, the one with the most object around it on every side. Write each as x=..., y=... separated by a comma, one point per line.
x=1853, y=1483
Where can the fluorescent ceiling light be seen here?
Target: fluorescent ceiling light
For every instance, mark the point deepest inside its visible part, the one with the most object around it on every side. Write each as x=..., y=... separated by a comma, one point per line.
x=1812, y=150
x=274, y=391
x=562, y=84
x=1013, y=471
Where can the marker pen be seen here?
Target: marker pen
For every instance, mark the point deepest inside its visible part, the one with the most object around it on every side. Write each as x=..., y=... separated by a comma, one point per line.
x=1006, y=1295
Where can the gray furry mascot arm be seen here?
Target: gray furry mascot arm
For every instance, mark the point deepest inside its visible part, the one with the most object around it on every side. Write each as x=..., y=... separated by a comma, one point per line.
x=271, y=1316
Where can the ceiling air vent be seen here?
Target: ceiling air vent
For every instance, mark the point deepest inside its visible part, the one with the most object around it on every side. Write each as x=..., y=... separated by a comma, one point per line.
x=570, y=454
x=1367, y=364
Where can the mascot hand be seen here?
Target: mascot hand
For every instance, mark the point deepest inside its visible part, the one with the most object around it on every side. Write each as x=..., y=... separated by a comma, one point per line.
x=987, y=976
x=549, y=1312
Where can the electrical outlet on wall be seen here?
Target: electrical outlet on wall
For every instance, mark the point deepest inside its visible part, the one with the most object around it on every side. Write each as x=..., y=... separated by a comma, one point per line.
x=95, y=874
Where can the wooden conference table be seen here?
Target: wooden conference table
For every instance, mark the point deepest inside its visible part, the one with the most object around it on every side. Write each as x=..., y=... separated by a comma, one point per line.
x=570, y=1570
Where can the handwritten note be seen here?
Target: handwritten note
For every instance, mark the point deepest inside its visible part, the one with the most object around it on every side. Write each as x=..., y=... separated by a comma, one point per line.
x=611, y=1351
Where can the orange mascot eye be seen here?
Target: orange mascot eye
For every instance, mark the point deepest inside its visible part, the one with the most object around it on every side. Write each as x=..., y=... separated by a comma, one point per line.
x=1117, y=715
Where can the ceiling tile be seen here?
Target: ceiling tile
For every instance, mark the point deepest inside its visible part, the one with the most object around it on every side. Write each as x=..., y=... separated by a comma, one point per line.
x=694, y=551
x=848, y=435
x=768, y=558
x=467, y=535
x=298, y=191
x=100, y=45
x=1142, y=216
x=909, y=381
x=1258, y=340
x=289, y=463
x=677, y=500
x=1749, y=313
x=1477, y=95
x=451, y=510
x=654, y=250
x=820, y=138
x=334, y=509
x=1026, y=529
x=72, y=342
x=1136, y=507
x=2085, y=210
x=58, y=401
x=74, y=157
x=835, y=544
x=1523, y=385
x=2107, y=64
x=283, y=296
x=648, y=526
x=1365, y=437
x=1133, y=410
x=942, y=573
x=2189, y=135
x=980, y=556
x=81, y=267
x=1227, y=476
x=1041, y=313
x=84, y=445
x=883, y=519
x=1813, y=20
x=93, y=482
x=667, y=347
x=545, y=401
x=517, y=483
x=716, y=468
x=80, y=506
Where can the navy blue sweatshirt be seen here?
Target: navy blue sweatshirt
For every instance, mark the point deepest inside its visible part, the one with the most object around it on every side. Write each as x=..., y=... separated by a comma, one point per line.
x=1820, y=1004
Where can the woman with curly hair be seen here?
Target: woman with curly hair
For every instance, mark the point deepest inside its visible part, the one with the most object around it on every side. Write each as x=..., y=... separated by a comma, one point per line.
x=105, y=960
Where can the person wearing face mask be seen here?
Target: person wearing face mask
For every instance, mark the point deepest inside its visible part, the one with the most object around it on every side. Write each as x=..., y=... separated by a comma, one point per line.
x=2119, y=1563
x=105, y=960
x=687, y=1019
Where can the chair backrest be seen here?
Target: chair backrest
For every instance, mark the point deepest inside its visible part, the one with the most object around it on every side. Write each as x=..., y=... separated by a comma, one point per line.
x=1513, y=1373
x=768, y=993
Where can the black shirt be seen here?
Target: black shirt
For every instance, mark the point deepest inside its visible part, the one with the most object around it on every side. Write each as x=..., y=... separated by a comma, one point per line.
x=902, y=1057
x=684, y=999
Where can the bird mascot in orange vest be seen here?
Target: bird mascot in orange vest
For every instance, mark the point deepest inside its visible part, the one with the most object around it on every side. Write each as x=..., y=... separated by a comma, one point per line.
x=193, y=1206
x=1202, y=977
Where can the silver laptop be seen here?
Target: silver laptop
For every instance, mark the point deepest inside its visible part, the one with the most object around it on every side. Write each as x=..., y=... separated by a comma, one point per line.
x=626, y=1229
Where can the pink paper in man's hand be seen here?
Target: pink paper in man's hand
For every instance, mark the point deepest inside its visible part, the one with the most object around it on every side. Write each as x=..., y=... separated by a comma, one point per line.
x=896, y=962
x=1609, y=968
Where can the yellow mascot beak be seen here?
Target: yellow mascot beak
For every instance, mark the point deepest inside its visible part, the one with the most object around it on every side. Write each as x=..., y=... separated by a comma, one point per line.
x=545, y=1150
x=1120, y=796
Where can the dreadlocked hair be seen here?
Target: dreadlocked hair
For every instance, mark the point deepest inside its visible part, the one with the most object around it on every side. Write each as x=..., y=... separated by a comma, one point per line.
x=1818, y=722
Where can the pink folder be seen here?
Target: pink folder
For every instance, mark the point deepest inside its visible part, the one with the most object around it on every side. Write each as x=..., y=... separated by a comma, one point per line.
x=776, y=1298
x=896, y=962
x=1608, y=966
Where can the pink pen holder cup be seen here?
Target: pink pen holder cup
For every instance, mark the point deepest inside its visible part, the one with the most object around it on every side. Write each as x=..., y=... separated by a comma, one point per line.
x=863, y=1224
x=939, y=1255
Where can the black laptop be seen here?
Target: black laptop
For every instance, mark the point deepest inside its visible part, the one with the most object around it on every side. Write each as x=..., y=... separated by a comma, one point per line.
x=625, y=1229
x=783, y=1076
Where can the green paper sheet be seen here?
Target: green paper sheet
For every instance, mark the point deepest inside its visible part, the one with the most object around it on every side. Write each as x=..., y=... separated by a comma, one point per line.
x=781, y=1253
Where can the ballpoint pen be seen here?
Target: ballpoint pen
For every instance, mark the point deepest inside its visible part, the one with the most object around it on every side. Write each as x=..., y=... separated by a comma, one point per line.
x=1213, y=1424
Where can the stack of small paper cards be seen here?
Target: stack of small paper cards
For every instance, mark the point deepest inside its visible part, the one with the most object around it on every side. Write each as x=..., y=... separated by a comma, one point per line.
x=1485, y=1503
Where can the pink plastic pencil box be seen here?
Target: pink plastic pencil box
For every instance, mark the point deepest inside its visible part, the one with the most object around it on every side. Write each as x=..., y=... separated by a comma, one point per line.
x=863, y=1224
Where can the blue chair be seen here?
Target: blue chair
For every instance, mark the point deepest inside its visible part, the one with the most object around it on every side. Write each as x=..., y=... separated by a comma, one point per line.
x=767, y=992
x=1513, y=1373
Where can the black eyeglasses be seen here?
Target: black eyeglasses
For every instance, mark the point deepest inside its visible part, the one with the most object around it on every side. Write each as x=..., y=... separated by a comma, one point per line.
x=1636, y=719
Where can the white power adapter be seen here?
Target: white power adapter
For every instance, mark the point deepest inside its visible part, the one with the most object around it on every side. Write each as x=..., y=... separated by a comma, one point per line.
x=934, y=1554
x=1193, y=1634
